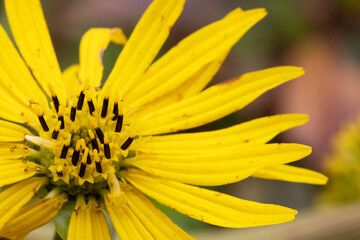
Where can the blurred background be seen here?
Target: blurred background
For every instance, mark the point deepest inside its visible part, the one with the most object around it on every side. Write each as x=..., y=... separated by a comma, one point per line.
x=323, y=37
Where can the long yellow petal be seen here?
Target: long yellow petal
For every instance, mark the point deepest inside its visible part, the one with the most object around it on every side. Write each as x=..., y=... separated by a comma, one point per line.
x=126, y=224
x=12, y=171
x=14, y=111
x=32, y=37
x=220, y=166
x=209, y=206
x=88, y=222
x=190, y=87
x=16, y=196
x=215, y=102
x=80, y=224
x=92, y=47
x=16, y=80
x=11, y=132
x=71, y=80
x=32, y=216
x=256, y=131
x=160, y=226
x=144, y=43
x=13, y=151
x=99, y=224
x=190, y=55
x=17, y=86
x=291, y=174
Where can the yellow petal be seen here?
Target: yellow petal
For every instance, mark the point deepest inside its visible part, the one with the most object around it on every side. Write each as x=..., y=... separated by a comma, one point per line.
x=219, y=166
x=99, y=224
x=209, y=206
x=190, y=87
x=200, y=80
x=12, y=171
x=215, y=102
x=11, y=132
x=17, y=87
x=291, y=174
x=92, y=47
x=16, y=196
x=32, y=37
x=17, y=83
x=14, y=111
x=256, y=131
x=126, y=224
x=71, y=80
x=190, y=55
x=144, y=43
x=160, y=226
x=13, y=151
x=88, y=221
x=32, y=216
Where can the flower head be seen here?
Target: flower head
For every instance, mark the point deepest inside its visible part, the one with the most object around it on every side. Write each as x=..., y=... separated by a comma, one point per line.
x=343, y=165
x=74, y=144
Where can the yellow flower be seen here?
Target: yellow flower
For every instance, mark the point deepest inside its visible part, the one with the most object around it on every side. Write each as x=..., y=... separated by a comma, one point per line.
x=343, y=165
x=82, y=147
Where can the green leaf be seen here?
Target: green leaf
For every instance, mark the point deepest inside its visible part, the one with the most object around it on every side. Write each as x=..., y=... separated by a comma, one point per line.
x=62, y=220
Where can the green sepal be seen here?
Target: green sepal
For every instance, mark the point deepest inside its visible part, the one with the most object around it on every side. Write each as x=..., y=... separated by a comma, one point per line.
x=62, y=220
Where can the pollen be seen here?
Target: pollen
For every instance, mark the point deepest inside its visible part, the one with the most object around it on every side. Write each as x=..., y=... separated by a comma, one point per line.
x=84, y=137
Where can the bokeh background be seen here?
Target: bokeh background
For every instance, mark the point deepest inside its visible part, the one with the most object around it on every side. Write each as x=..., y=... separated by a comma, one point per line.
x=322, y=36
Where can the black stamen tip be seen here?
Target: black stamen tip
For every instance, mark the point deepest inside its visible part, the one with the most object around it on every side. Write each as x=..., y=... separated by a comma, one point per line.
x=72, y=113
x=91, y=106
x=115, y=111
x=60, y=174
x=127, y=143
x=107, y=151
x=75, y=157
x=43, y=123
x=119, y=123
x=88, y=159
x=82, y=170
x=98, y=167
x=56, y=103
x=94, y=144
x=61, y=118
x=104, y=107
x=64, y=151
x=55, y=134
x=100, y=134
x=80, y=102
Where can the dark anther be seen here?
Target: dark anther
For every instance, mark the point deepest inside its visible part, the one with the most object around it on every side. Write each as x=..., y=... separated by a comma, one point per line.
x=98, y=167
x=88, y=159
x=127, y=143
x=61, y=118
x=107, y=151
x=104, y=107
x=64, y=151
x=115, y=111
x=94, y=144
x=82, y=170
x=56, y=103
x=100, y=134
x=43, y=123
x=75, y=157
x=60, y=174
x=55, y=134
x=119, y=123
x=80, y=102
x=91, y=106
x=72, y=113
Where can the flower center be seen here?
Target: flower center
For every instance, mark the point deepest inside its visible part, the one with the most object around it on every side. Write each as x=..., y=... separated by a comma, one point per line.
x=87, y=141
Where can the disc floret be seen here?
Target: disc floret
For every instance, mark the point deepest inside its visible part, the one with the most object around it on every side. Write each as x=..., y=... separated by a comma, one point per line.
x=83, y=139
